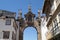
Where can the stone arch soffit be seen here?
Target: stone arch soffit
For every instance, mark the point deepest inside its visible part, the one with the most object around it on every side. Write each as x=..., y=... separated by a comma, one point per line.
x=31, y=26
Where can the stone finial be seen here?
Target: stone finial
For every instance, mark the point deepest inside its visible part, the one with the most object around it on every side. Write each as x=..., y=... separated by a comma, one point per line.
x=39, y=11
x=19, y=13
x=29, y=7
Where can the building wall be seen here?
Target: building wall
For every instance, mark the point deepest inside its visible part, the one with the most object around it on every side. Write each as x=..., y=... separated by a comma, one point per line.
x=53, y=28
x=4, y=27
x=54, y=6
x=49, y=33
x=43, y=28
x=53, y=24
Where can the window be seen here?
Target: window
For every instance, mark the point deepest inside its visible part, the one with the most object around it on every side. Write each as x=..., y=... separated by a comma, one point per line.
x=55, y=28
x=6, y=34
x=29, y=18
x=8, y=21
x=55, y=23
x=59, y=18
x=53, y=7
x=13, y=36
x=0, y=14
x=39, y=23
x=20, y=24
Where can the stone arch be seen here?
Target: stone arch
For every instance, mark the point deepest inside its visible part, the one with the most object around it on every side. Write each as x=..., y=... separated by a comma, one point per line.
x=34, y=30
x=37, y=29
x=30, y=21
x=29, y=26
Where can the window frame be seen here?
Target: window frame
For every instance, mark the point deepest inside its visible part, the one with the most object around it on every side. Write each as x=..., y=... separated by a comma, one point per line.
x=8, y=21
x=6, y=34
x=59, y=17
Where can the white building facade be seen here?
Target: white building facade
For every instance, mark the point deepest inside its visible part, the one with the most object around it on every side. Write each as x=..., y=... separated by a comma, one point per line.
x=7, y=28
x=43, y=27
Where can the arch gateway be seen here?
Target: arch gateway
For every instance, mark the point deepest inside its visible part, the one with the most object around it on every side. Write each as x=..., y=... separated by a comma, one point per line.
x=29, y=20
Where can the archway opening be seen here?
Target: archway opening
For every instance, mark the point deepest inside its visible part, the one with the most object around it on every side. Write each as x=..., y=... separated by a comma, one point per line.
x=30, y=33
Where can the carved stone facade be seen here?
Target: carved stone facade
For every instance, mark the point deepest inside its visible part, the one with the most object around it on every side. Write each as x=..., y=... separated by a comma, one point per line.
x=53, y=24
x=29, y=21
x=13, y=29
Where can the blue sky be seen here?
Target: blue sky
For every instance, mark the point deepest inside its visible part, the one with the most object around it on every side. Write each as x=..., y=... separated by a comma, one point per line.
x=30, y=33
x=14, y=5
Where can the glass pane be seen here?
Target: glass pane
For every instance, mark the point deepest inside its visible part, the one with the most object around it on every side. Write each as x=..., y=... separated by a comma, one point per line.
x=8, y=21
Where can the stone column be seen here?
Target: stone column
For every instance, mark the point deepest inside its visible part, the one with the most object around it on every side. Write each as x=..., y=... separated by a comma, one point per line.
x=17, y=37
x=39, y=33
x=20, y=34
x=10, y=37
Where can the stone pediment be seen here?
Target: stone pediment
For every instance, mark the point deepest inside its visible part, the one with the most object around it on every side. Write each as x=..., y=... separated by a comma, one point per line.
x=29, y=14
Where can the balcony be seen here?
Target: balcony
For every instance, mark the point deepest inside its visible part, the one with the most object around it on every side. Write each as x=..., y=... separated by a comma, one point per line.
x=55, y=30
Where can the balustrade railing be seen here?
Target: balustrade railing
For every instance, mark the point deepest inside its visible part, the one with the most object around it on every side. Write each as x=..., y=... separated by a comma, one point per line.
x=55, y=30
